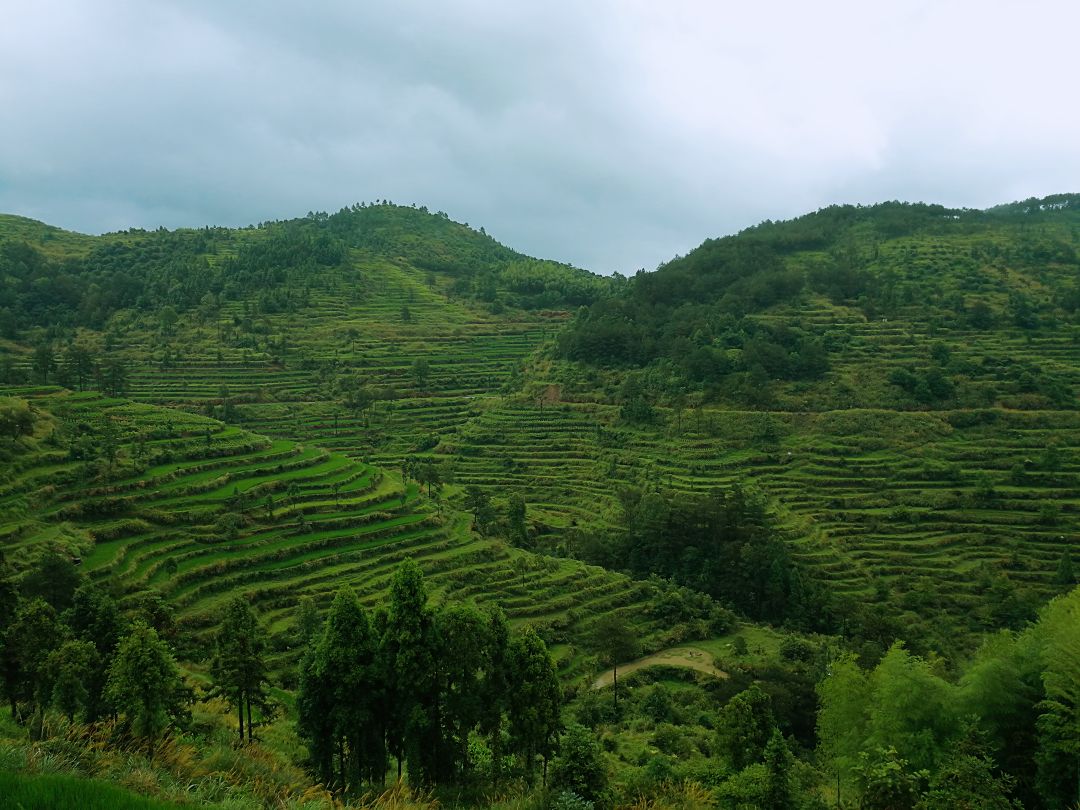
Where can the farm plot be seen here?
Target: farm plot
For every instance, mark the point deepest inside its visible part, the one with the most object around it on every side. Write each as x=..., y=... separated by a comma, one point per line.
x=199, y=512
x=871, y=497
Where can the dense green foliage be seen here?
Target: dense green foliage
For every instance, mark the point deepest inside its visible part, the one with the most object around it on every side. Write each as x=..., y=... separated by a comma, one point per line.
x=859, y=422
x=689, y=316
x=173, y=272
x=725, y=544
x=436, y=689
x=696, y=316
x=167, y=271
x=144, y=682
x=1020, y=693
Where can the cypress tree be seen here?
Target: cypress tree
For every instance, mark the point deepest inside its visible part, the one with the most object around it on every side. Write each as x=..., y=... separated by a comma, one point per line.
x=239, y=667
x=534, y=700
x=1066, y=574
x=409, y=671
x=462, y=667
x=340, y=691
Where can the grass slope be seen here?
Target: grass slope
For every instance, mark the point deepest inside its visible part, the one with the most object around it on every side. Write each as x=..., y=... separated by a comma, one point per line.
x=930, y=460
x=56, y=792
x=200, y=511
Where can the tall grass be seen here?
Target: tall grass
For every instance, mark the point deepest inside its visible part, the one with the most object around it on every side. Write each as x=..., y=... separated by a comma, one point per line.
x=58, y=792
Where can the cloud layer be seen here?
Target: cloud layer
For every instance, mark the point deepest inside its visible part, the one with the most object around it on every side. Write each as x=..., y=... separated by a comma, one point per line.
x=612, y=134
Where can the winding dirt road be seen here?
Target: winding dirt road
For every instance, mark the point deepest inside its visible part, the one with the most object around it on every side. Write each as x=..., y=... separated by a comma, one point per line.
x=689, y=657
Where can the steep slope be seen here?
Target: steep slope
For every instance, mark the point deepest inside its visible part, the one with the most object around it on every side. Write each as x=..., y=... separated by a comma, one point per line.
x=899, y=379
x=153, y=500
x=902, y=379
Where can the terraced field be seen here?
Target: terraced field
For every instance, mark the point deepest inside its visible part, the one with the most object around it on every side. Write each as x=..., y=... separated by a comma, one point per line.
x=900, y=496
x=873, y=496
x=341, y=337
x=200, y=511
x=864, y=507
x=936, y=454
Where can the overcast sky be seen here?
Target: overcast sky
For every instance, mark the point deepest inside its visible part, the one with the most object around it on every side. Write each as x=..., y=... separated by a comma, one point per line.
x=612, y=134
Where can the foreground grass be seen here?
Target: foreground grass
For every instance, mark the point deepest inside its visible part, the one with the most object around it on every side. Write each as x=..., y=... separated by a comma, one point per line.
x=24, y=792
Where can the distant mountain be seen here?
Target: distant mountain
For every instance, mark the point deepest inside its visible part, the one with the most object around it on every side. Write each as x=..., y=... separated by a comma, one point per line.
x=898, y=380
x=741, y=313
x=55, y=278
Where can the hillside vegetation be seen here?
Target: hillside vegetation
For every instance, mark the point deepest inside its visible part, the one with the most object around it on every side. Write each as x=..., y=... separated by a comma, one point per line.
x=860, y=423
x=160, y=504
x=900, y=379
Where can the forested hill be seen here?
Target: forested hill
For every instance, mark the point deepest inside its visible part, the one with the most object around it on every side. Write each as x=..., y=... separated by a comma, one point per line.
x=900, y=380
x=50, y=277
x=767, y=304
x=805, y=471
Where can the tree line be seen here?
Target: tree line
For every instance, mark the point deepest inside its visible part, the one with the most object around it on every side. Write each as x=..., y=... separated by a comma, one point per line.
x=724, y=543
x=66, y=644
x=155, y=271
x=77, y=365
x=695, y=318
x=449, y=693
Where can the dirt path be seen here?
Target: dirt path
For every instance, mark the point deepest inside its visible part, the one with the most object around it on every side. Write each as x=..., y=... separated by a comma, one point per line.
x=689, y=657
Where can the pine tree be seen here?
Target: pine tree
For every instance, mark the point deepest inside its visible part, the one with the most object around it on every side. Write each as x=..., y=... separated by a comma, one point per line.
x=239, y=667
x=498, y=686
x=616, y=642
x=1066, y=574
x=73, y=679
x=409, y=670
x=54, y=578
x=534, y=700
x=462, y=668
x=779, y=794
x=515, y=519
x=314, y=715
x=34, y=632
x=307, y=620
x=94, y=617
x=346, y=665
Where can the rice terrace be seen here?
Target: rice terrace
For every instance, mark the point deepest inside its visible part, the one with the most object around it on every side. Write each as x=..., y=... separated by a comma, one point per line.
x=806, y=462
x=659, y=406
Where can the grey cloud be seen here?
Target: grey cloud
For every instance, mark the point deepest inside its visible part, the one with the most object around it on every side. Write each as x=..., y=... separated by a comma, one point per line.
x=609, y=134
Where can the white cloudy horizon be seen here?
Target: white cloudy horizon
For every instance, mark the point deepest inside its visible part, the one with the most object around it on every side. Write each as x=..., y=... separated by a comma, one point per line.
x=611, y=135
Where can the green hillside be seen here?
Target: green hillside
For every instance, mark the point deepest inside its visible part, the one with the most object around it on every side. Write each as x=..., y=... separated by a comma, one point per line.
x=158, y=502
x=862, y=423
x=899, y=379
